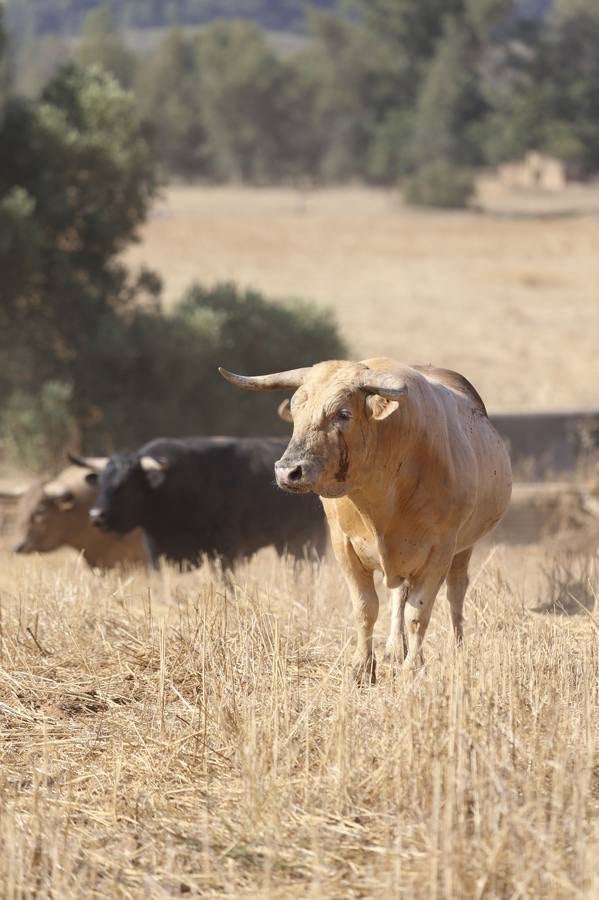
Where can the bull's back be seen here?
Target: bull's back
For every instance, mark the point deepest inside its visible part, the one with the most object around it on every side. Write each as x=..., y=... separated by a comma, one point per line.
x=481, y=464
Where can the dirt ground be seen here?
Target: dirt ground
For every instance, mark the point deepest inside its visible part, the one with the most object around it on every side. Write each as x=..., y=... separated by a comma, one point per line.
x=509, y=298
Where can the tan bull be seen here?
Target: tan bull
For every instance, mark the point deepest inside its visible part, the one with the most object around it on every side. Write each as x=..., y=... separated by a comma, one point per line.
x=56, y=514
x=411, y=474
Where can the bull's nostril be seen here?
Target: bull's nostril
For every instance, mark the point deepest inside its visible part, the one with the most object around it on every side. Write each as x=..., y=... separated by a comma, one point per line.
x=295, y=474
x=97, y=516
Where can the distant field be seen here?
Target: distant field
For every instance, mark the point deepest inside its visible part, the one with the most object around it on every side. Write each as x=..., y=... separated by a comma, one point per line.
x=512, y=301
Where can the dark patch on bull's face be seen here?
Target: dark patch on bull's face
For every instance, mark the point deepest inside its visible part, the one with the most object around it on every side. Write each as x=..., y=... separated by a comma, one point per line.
x=328, y=431
x=122, y=494
x=341, y=473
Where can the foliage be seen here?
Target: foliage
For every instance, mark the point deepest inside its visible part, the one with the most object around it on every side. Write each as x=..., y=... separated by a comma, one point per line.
x=243, y=97
x=168, y=88
x=101, y=45
x=379, y=88
x=36, y=428
x=439, y=183
x=160, y=371
x=77, y=177
x=448, y=103
x=76, y=180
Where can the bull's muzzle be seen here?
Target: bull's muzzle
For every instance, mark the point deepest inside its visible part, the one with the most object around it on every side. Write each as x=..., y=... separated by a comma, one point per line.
x=98, y=518
x=296, y=476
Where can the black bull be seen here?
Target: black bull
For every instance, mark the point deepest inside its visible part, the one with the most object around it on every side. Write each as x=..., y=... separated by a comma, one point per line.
x=206, y=495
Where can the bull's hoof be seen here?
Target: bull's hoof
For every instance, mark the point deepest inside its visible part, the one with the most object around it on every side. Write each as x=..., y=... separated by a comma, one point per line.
x=394, y=656
x=414, y=664
x=364, y=671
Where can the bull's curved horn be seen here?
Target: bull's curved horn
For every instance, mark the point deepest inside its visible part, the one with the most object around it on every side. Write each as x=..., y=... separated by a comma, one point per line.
x=95, y=463
x=391, y=387
x=13, y=493
x=54, y=490
x=280, y=381
x=150, y=464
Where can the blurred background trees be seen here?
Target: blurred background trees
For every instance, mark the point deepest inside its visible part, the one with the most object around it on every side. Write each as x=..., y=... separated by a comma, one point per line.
x=367, y=89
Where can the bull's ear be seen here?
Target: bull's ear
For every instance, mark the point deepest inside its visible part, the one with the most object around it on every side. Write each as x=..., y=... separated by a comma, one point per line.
x=92, y=479
x=284, y=410
x=154, y=470
x=66, y=501
x=60, y=496
x=379, y=407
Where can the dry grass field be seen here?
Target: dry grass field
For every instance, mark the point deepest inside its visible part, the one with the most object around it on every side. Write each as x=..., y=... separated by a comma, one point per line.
x=511, y=301
x=191, y=735
x=168, y=734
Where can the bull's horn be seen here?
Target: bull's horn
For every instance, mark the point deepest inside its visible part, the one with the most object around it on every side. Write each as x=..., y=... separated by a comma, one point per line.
x=53, y=490
x=388, y=386
x=95, y=463
x=149, y=464
x=13, y=493
x=280, y=381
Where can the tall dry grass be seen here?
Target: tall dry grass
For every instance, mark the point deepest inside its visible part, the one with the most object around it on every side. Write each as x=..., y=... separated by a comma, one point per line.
x=196, y=734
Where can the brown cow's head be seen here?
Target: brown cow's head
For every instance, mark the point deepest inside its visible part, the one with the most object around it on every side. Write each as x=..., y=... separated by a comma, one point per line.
x=51, y=517
x=334, y=408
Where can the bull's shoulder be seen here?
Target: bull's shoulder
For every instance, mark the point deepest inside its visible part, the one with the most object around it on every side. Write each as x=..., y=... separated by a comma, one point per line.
x=455, y=381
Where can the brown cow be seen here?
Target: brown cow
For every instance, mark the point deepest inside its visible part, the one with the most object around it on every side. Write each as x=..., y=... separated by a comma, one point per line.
x=411, y=474
x=56, y=514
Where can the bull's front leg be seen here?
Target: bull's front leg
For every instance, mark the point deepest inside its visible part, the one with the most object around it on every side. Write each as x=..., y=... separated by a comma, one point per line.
x=419, y=604
x=365, y=603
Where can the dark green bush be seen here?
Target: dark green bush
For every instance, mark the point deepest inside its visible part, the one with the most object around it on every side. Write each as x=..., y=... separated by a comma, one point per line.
x=153, y=374
x=439, y=184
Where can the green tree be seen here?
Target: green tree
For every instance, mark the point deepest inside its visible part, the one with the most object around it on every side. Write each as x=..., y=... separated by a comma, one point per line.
x=544, y=93
x=162, y=369
x=449, y=102
x=169, y=95
x=77, y=177
x=349, y=74
x=243, y=91
x=101, y=45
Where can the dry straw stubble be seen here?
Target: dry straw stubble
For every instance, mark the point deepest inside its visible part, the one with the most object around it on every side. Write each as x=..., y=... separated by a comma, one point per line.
x=197, y=734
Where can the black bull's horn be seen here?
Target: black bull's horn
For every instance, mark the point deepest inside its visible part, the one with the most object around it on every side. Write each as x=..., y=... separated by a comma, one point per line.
x=95, y=463
x=391, y=387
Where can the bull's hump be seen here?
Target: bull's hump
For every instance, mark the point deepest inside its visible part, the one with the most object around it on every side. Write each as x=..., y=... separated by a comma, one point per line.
x=455, y=382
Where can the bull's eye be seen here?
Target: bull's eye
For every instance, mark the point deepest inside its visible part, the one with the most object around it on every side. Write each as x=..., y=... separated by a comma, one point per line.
x=38, y=517
x=343, y=415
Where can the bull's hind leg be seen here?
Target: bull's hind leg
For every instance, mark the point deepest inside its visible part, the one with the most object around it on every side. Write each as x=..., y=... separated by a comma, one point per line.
x=457, y=585
x=419, y=604
x=396, y=648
